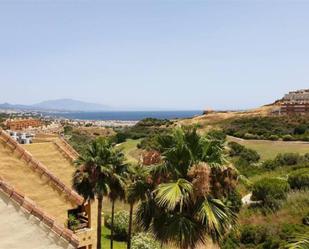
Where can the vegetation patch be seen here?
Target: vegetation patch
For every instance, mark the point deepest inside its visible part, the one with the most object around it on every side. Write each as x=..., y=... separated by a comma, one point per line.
x=273, y=128
x=144, y=241
x=121, y=224
x=270, y=192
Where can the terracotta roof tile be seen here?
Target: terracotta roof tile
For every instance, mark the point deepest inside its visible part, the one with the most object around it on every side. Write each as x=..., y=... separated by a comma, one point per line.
x=29, y=206
x=17, y=197
x=38, y=166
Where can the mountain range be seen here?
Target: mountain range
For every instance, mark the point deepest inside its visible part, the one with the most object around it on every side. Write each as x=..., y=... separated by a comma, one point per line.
x=58, y=105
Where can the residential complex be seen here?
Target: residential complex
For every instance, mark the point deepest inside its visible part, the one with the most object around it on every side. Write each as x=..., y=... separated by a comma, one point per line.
x=296, y=102
x=20, y=124
x=36, y=197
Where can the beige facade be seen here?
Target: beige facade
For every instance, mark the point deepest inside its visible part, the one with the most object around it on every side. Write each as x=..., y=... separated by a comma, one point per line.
x=296, y=102
x=20, y=124
x=43, y=172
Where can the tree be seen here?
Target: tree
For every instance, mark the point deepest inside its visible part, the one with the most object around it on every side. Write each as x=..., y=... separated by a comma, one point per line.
x=301, y=241
x=116, y=182
x=136, y=190
x=91, y=178
x=180, y=206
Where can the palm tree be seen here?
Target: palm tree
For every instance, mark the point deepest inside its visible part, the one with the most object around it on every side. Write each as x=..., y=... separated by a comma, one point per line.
x=181, y=207
x=136, y=191
x=300, y=242
x=91, y=178
x=116, y=182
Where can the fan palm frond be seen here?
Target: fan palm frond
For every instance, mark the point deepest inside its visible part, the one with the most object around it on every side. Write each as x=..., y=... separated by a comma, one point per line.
x=171, y=194
x=301, y=241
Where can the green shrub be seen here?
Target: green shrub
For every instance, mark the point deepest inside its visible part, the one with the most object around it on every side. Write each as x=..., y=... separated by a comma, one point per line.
x=290, y=230
x=250, y=234
x=216, y=134
x=231, y=241
x=234, y=201
x=270, y=164
x=73, y=222
x=251, y=136
x=272, y=243
x=251, y=156
x=121, y=224
x=305, y=220
x=235, y=148
x=299, y=179
x=300, y=130
x=274, y=137
x=120, y=137
x=287, y=138
x=270, y=191
x=144, y=241
x=246, y=155
x=288, y=159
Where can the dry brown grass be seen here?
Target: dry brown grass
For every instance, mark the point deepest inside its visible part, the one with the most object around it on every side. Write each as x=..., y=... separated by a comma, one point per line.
x=95, y=131
x=212, y=120
x=292, y=211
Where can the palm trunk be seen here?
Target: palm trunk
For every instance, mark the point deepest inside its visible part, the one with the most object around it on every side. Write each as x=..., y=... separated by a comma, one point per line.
x=130, y=226
x=99, y=225
x=112, y=225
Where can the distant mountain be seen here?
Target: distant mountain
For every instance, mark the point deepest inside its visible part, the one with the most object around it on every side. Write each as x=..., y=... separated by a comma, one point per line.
x=12, y=106
x=70, y=105
x=59, y=105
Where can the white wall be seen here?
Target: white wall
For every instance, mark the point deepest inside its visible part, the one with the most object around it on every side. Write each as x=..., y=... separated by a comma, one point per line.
x=19, y=230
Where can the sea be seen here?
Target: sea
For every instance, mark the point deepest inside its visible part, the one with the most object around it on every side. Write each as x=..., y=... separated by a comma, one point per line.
x=127, y=115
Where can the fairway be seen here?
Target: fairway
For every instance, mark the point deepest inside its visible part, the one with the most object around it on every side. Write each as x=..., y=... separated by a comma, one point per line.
x=269, y=149
x=130, y=150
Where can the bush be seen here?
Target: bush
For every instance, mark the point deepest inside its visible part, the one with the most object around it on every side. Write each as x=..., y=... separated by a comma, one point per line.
x=246, y=155
x=73, y=222
x=287, y=138
x=251, y=136
x=235, y=148
x=121, y=224
x=250, y=234
x=288, y=159
x=120, y=137
x=270, y=164
x=249, y=155
x=270, y=191
x=299, y=179
x=216, y=134
x=144, y=241
x=234, y=201
x=290, y=230
x=305, y=220
x=231, y=241
x=300, y=130
x=273, y=137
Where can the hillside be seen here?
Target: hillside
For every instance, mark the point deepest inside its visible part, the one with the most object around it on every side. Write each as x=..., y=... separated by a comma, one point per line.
x=214, y=119
x=58, y=105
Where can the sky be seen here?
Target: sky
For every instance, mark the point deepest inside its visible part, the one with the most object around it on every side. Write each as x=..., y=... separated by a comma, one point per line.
x=154, y=54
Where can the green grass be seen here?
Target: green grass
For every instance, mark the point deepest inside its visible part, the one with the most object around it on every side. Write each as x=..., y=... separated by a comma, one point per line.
x=106, y=241
x=269, y=149
x=119, y=205
x=130, y=150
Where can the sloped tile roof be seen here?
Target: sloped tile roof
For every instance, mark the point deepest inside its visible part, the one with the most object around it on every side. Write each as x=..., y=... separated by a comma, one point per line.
x=38, y=166
x=30, y=207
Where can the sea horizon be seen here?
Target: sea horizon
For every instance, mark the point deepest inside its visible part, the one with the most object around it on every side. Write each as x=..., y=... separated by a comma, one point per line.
x=125, y=115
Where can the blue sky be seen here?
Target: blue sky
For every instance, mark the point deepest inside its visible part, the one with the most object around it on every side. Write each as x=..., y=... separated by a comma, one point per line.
x=154, y=54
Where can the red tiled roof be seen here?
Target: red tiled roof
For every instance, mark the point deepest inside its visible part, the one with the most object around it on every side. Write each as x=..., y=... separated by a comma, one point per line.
x=38, y=166
x=30, y=207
